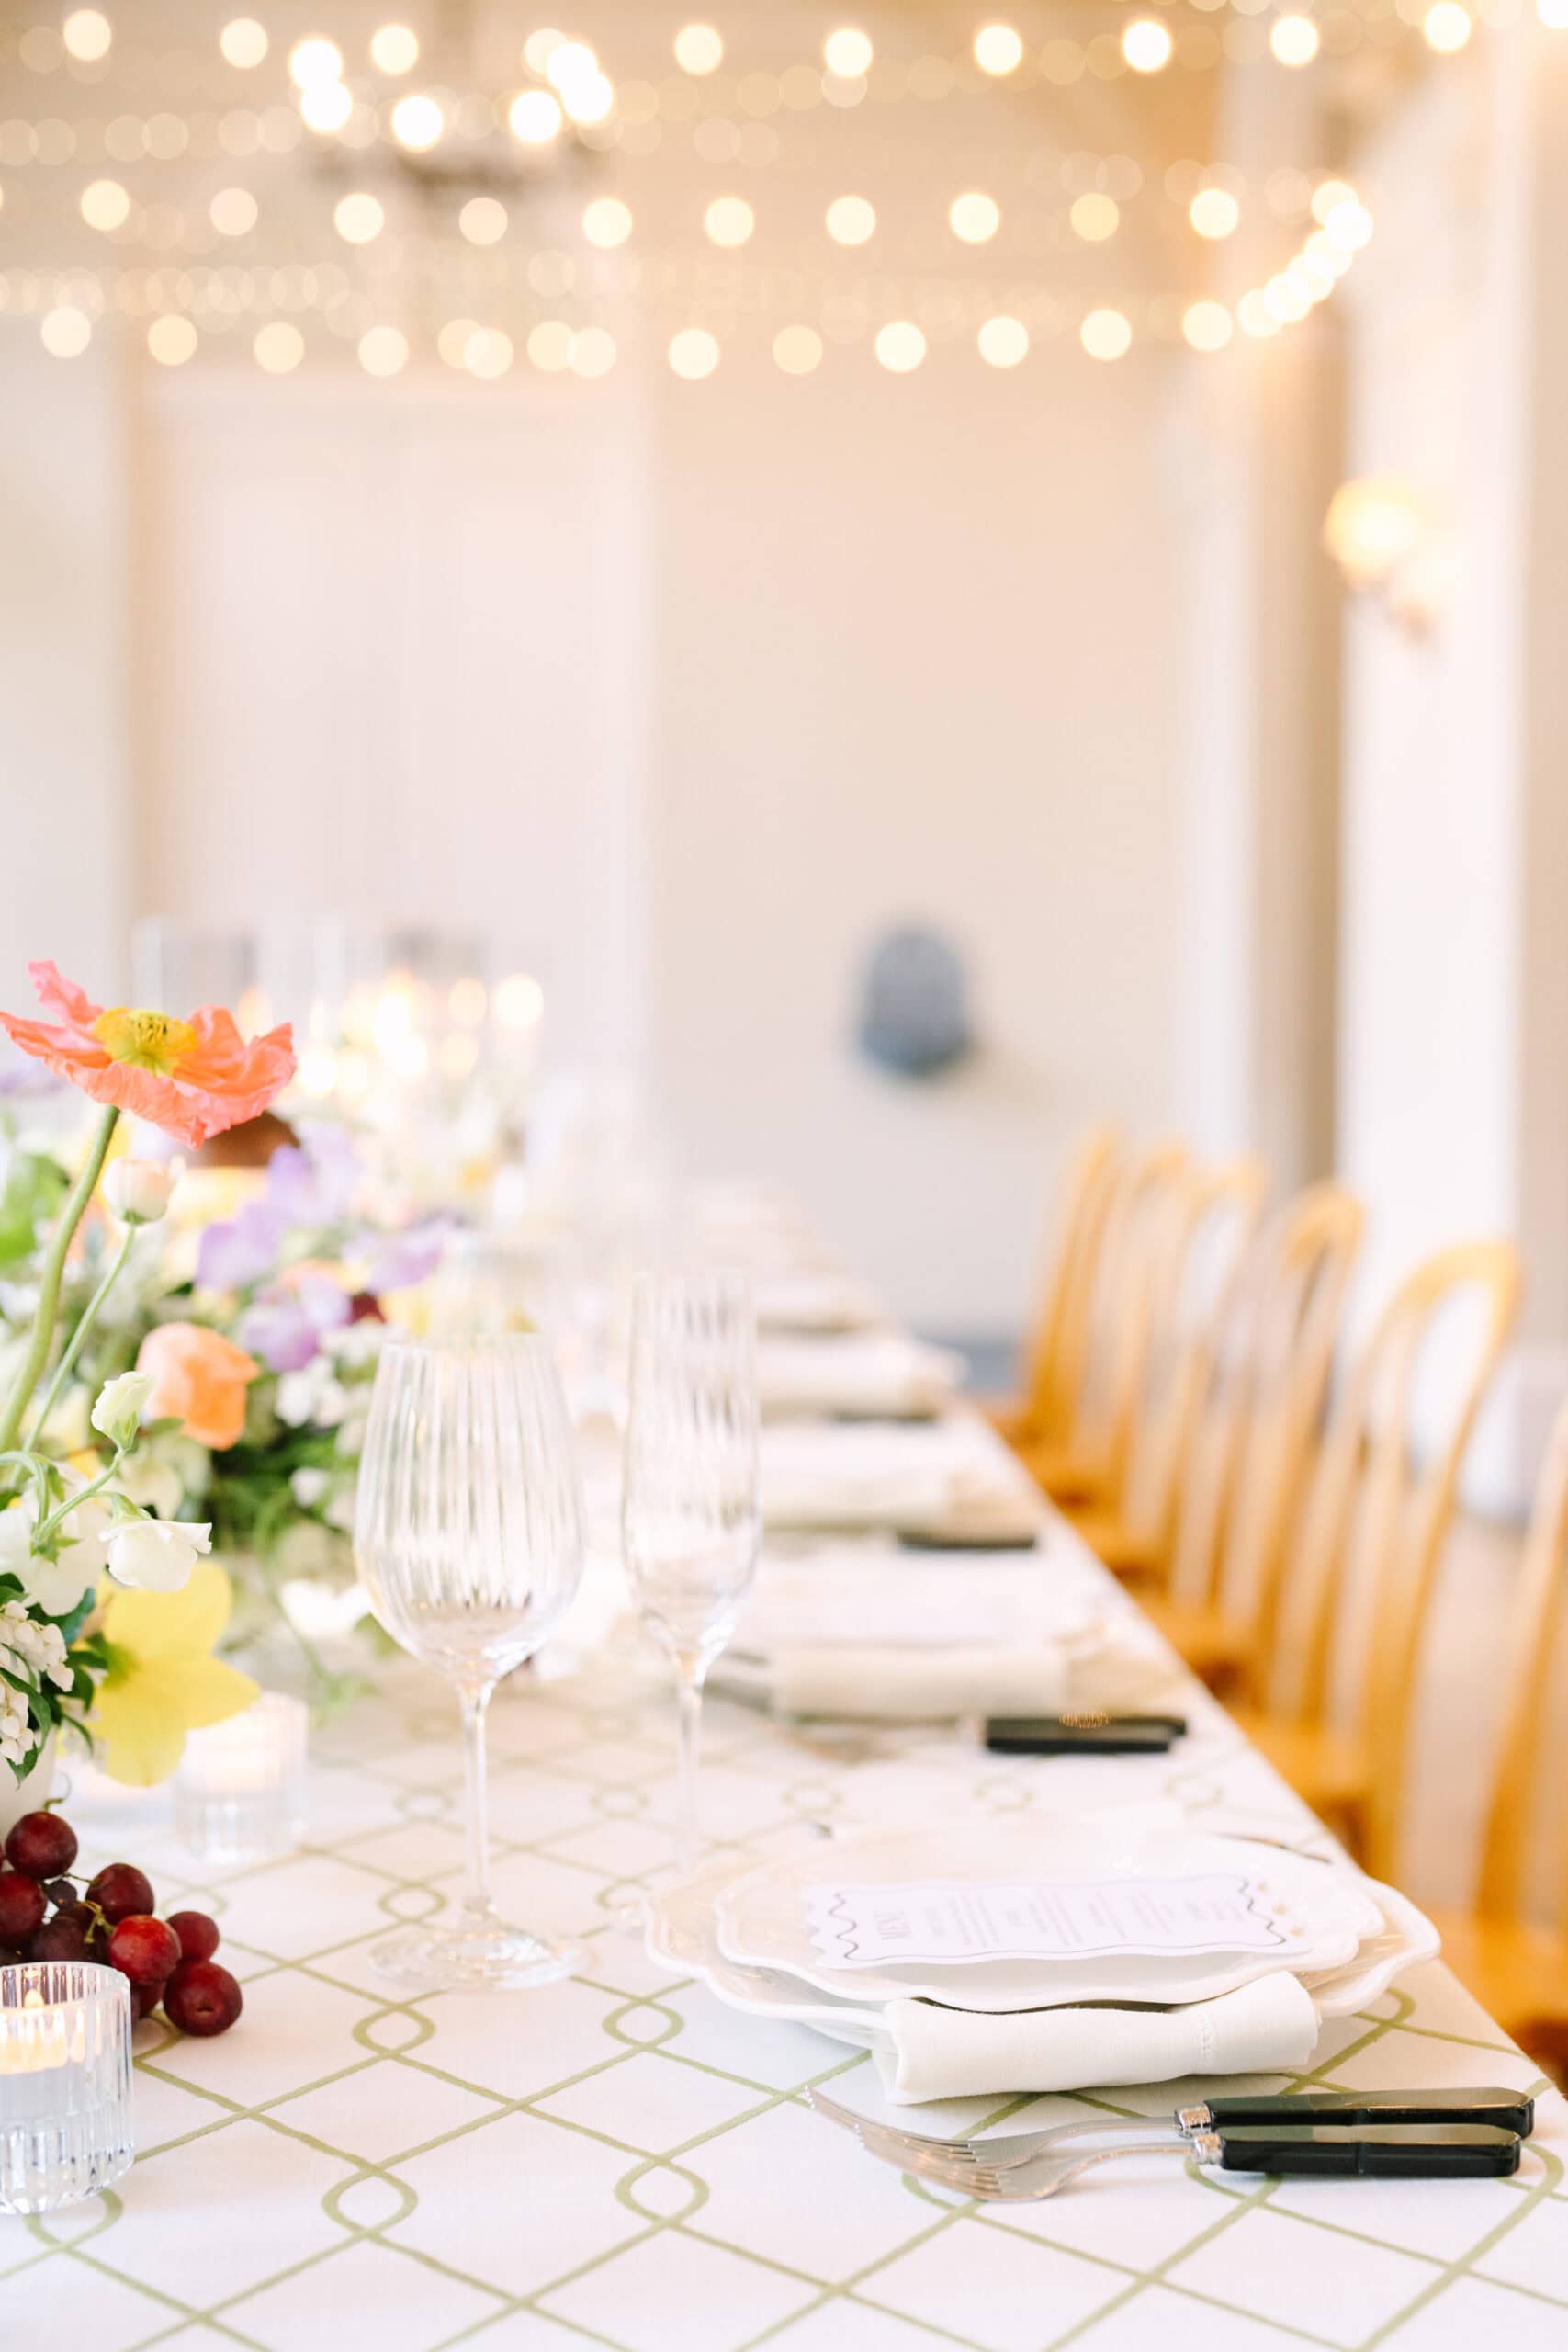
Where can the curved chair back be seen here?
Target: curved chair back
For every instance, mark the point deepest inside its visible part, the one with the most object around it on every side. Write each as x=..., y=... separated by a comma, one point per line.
x=1060, y=1344
x=1378, y=1511
x=1254, y=1446
x=1142, y=1214
x=1204, y=1252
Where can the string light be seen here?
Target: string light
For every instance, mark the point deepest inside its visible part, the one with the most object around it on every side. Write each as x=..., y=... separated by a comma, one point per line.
x=1213, y=212
x=851, y=221
x=418, y=122
x=1207, y=326
x=797, y=350
x=1328, y=195
x=1447, y=26
x=1295, y=40
x=1003, y=342
x=1254, y=316
x=698, y=48
x=540, y=47
x=326, y=106
x=279, y=347
x=998, y=49
x=87, y=34
x=592, y=352
x=549, y=346
x=1552, y=14
x=393, y=50
x=233, y=212
x=1349, y=225
x=1105, y=334
x=488, y=354
x=900, y=346
x=383, y=351
x=1095, y=217
x=535, y=117
x=693, y=354
x=358, y=219
x=848, y=54
x=483, y=221
x=105, y=204
x=607, y=222
x=243, y=42
x=313, y=60
x=172, y=340
x=1147, y=46
x=973, y=218
x=65, y=332
x=729, y=220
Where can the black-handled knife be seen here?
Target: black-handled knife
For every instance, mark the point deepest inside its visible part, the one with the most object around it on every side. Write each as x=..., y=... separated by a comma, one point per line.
x=1352, y=2150
x=1508, y=2109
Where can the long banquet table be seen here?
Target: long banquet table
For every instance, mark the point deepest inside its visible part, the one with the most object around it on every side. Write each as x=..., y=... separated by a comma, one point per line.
x=620, y=2160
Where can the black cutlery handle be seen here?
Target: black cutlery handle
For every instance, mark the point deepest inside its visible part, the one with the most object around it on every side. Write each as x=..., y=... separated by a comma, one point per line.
x=1509, y=2110
x=1385, y=2151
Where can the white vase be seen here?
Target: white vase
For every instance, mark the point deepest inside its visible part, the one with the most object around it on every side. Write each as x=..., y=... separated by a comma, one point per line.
x=26, y=1796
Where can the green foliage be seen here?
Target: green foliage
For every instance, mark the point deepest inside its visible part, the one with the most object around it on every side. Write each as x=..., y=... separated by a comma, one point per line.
x=35, y=1186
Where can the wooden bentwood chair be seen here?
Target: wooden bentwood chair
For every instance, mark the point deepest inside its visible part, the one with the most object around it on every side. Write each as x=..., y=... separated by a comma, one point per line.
x=1253, y=1447
x=1204, y=1251
x=1087, y=1460
x=1054, y=1382
x=1515, y=1966
x=1360, y=1572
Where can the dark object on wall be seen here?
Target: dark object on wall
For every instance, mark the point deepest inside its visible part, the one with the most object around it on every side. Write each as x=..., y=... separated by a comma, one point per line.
x=914, y=1016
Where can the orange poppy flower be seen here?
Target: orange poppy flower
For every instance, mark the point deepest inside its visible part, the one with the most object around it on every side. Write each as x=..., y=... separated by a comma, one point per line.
x=191, y=1077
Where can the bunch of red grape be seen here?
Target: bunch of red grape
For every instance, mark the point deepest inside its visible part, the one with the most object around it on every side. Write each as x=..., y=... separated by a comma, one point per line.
x=42, y=1916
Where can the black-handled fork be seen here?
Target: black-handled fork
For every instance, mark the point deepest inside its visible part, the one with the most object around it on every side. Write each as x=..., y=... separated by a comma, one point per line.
x=1442, y=2131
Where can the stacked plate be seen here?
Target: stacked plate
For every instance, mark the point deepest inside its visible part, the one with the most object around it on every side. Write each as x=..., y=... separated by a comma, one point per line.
x=1031, y=1913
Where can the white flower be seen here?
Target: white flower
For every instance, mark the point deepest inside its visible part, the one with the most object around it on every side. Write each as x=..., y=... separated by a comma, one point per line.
x=118, y=1413
x=339, y=1512
x=137, y=1190
x=356, y=1345
x=311, y=1395
x=56, y=1586
x=308, y=1487
x=157, y=1555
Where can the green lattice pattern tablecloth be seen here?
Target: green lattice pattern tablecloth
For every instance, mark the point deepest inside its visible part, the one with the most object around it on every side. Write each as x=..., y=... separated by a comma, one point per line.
x=619, y=2160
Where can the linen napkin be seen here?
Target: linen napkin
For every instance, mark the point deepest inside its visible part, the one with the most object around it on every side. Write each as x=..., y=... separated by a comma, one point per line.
x=951, y=1478
x=874, y=1374
x=1268, y=2027
x=811, y=1300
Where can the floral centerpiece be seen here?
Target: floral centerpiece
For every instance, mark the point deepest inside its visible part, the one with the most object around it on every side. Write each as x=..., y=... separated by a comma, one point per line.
x=260, y=1333
x=108, y=1610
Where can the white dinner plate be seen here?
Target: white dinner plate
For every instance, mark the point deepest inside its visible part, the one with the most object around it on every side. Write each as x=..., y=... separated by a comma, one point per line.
x=761, y=1916
x=683, y=1932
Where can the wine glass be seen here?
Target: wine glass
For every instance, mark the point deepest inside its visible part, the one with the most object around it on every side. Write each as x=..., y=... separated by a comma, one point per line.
x=469, y=1535
x=689, y=1517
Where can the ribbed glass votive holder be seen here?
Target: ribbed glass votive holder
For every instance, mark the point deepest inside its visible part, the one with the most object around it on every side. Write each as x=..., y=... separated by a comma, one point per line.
x=66, y=2124
x=240, y=1794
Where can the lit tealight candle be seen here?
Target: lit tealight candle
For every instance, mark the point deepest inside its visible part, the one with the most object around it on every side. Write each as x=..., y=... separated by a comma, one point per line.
x=64, y=2083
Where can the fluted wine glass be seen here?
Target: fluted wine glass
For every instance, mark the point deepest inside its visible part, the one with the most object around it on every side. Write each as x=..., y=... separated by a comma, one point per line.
x=469, y=1532
x=689, y=1517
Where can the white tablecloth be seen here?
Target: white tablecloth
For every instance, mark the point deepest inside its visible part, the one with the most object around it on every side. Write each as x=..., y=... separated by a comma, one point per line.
x=620, y=2160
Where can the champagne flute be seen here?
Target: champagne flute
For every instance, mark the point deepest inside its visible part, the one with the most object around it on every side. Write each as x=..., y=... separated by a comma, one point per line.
x=468, y=1534
x=689, y=1517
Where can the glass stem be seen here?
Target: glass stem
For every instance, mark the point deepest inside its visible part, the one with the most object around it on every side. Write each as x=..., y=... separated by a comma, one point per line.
x=690, y=1675
x=477, y=1904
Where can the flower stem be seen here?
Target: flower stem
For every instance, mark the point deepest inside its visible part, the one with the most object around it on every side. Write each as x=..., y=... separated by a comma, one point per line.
x=73, y=1346
x=44, y=1320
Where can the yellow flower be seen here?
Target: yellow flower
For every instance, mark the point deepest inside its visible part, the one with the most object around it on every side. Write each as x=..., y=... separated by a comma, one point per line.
x=162, y=1680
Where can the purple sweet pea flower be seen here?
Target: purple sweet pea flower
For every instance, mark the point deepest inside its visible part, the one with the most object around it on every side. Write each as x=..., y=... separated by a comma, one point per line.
x=285, y=1323
x=399, y=1260
x=241, y=1250
x=313, y=1182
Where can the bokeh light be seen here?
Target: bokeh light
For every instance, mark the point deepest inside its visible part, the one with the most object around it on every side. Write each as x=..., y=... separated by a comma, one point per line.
x=105, y=204
x=998, y=49
x=1207, y=326
x=693, y=354
x=973, y=218
x=243, y=42
x=698, y=48
x=394, y=50
x=847, y=53
x=171, y=339
x=900, y=346
x=358, y=217
x=1105, y=334
x=1147, y=45
x=65, y=332
x=797, y=350
x=1003, y=342
x=729, y=220
x=1213, y=212
x=87, y=34
x=279, y=347
x=607, y=222
x=851, y=219
x=1295, y=39
x=1095, y=217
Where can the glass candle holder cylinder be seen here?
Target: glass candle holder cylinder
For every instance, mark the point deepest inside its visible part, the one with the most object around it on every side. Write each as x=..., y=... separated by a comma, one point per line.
x=66, y=2128
x=241, y=1792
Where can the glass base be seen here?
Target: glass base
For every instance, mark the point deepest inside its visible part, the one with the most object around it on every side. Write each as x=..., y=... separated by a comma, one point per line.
x=483, y=1956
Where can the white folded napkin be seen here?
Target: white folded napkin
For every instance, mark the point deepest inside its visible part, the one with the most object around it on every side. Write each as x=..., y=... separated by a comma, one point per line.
x=1268, y=2027
x=951, y=1478
x=874, y=1374
x=911, y=1684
